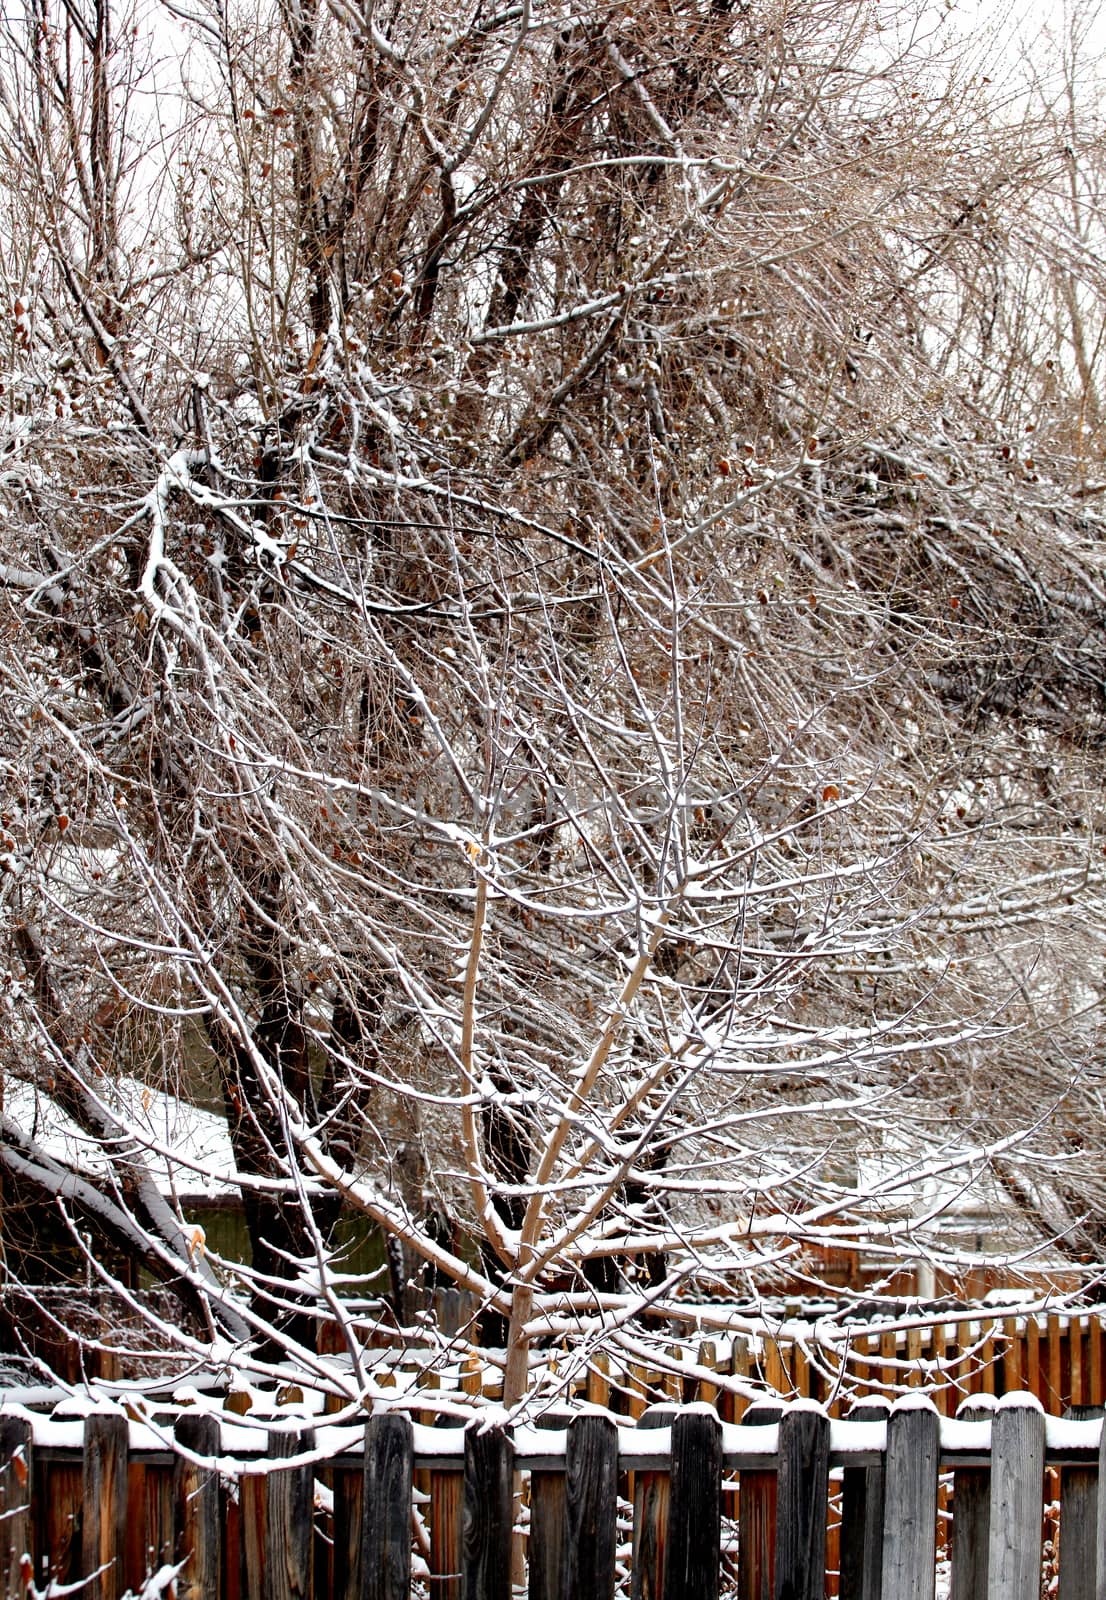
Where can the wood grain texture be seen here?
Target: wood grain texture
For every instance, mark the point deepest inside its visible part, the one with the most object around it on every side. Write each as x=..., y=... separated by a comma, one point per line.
x=971, y=1519
x=486, y=1516
x=802, y=1506
x=197, y=1514
x=1078, y=1520
x=692, y=1560
x=910, y=1505
x=289, y=1521
x=548, y=1524
x=1100, y=1530
x=104, y=1509
x=1017, y=1485
x=591, y=1491
x=862, y=1517
x=386, y=1499
x=651, y=1498
x=17, y=1484
x=756, y=1517
x=349, y=1504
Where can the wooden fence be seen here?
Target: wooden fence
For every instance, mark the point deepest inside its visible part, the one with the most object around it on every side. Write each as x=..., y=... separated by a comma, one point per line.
x=788, y=1505
x=1059, y=1358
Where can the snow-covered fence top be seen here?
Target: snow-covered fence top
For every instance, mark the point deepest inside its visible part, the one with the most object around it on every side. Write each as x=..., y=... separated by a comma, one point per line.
x=786, y=1504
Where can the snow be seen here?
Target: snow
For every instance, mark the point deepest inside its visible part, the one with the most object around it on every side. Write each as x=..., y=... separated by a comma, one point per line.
x=188, y=1150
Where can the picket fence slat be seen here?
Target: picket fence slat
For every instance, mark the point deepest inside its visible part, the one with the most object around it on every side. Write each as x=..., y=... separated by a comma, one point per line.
x=548, y=1525
x=757, y=1500
x=801, y=1504
x=695, y=1512
x=197, y=1519
x=289, y=1507
x=1017, y=1480
x=16, y=1477
x=1078, y=1515
x=650, y=1518
x=910, y=1503
x=487, y=1513
x=862, y=1517
x=971, y=1516
x=386, y=1496
x=104, y=1505
x=591, y=1488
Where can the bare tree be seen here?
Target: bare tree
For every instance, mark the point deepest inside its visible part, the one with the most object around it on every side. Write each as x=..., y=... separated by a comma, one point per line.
x=530, y=659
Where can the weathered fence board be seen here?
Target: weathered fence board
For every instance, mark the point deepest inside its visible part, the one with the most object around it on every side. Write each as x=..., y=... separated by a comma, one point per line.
x=198, y=1524
x=1017, y=1479
x=1078, y=1518
x=861, y=1537
x=910, y=1503
x=757, y=1498
x=16, y=1470
x=801, y=1505
x=486, y=1517
x=650, y=1517
x=971, y=1516
x=591, y=1489
x=386, y=1547
x=691, y=1569
x=104, y=1505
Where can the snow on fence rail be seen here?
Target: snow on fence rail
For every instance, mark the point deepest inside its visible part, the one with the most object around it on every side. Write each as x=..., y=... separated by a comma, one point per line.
x=218, y=1510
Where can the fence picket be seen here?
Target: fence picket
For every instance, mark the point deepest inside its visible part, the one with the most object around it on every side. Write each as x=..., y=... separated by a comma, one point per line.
x=756, y=1517
x=692, y=1561
x=591, y=1491
x=197, y=1519
x=1017, y=1482
x=910, y=1502
x=971, y=1514
x=862, y=1517
x=651, y=1497
x=801, y=1506
x=289, y=1521
x=386, y=1499
x=487, y=1513
x=1078, y=1515
x=349, y=1516
x=104, y=1511
x=548, y=1524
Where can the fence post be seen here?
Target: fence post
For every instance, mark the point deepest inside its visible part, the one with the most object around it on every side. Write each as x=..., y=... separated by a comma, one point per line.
x=756, y=1517
x=910, y=1501
x=104, y=1515
x=546, y=1551
x=591, y=1493
x=1017, y=1482
x=487, y=1512
x=289, y=1542
x=16, y=1486
x=693, y=1557
x=862, y=1516
x=197, y=1523
x=1078, y=1511
x=386, y=1501
x=651, y=1498
x=802, y=1506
